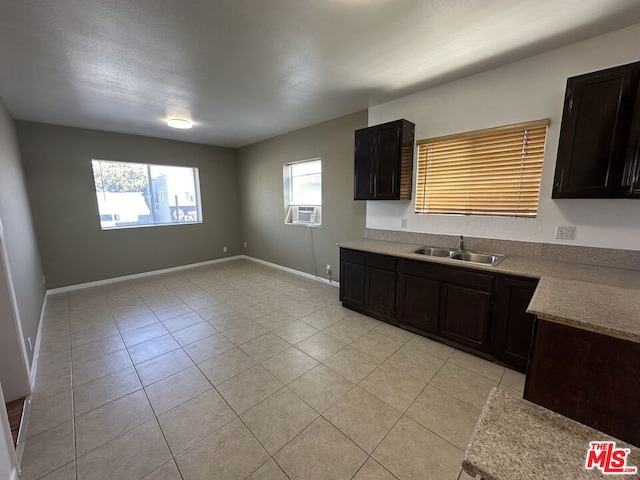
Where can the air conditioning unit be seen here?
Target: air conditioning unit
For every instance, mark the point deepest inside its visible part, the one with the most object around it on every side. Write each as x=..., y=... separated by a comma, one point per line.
x=305, y=215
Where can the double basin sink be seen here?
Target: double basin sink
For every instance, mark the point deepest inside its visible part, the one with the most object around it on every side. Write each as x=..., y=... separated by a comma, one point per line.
x=464, y=255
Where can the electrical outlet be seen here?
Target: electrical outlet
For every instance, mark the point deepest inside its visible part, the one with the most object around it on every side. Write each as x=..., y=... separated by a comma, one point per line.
x=403, y=223
x=565, y=232
x=224, y=249
x=328, y=269
x=245, y=244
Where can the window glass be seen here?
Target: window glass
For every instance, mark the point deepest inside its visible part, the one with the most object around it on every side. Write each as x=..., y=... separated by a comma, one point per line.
x=135, y=194
x=302, y=183
x=306, y=183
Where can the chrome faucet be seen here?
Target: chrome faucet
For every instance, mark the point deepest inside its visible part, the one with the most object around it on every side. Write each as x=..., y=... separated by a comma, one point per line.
x=461, y=244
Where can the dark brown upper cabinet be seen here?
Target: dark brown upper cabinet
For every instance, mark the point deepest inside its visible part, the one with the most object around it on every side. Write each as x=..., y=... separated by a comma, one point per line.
x=631, y=178
x=599, y=139
x=383, y=160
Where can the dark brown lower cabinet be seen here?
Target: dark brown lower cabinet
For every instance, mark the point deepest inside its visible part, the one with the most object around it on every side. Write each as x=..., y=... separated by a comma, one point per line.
x=465, y=316
x=588, y=377
x=368, y=283
x=512, y=325
x=419, y=303
x=451, y=304
x=448, y=302
x=381, y=292
x=352, y=278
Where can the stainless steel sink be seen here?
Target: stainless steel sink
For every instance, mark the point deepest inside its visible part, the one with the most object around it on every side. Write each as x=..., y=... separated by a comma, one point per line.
x=435, y=252
x=464, y=255
x=486, y=258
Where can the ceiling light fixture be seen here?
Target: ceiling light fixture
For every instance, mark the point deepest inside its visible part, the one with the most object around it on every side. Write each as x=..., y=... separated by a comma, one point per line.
x=179, y=123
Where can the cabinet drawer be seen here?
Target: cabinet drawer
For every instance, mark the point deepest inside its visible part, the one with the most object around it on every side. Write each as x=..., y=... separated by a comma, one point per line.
x=384, y=262
x=447, y=274
x=353, y=256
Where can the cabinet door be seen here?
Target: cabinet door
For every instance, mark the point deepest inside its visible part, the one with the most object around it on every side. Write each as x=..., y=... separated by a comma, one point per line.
x=364, y=164
x=387, y=158
x=381, y=293
x=352, y=285
x=594, y=133
x=632, y=175
x=419, y=302
x=631, y=181
x=465, y=315
x=512, y=325
x=588, y=377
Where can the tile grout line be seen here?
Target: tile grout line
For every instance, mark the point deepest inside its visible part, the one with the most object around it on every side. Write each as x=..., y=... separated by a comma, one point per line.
x=222, y=426
x=173, y=457
x=155, y=417
x=73, y=401
x=407, y=409
x=316, y=308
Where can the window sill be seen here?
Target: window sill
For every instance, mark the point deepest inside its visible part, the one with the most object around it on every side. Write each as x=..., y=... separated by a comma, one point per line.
x=128, y=227
x=302, y=224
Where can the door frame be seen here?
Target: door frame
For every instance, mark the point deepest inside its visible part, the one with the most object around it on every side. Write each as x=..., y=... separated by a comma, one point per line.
x=6, y=442
x=8, y=298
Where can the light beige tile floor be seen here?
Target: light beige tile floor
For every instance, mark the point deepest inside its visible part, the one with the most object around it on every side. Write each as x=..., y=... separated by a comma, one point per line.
x=238, y=371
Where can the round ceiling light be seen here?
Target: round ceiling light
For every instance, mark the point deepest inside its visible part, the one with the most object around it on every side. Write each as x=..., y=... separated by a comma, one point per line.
x=179, y=123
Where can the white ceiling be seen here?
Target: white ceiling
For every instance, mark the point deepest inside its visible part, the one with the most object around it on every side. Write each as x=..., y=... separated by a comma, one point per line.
x=246, y=70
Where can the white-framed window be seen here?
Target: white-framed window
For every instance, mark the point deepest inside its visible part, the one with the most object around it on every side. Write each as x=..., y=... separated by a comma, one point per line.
x=141, y=195
x=303, y=192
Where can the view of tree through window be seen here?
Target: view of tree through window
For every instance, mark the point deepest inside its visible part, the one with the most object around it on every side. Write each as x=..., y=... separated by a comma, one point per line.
x=120, y=177
x=135, y=194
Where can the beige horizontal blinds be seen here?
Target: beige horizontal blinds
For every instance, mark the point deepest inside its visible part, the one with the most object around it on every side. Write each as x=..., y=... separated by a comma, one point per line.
x=487, y=172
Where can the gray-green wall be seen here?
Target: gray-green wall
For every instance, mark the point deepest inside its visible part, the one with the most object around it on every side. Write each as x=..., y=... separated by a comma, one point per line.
x=74, y=249
x=262, y=202
x=21, y=245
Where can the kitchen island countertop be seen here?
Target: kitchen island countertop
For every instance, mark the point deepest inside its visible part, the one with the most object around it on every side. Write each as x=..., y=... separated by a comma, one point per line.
x=517, y=439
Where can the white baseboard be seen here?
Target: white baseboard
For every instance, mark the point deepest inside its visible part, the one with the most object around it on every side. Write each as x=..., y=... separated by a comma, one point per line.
x=291, y=270
x=134, y=276
x=36, y=349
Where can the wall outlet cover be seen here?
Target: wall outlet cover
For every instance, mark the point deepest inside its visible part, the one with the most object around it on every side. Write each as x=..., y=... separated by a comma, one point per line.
x=403, y=223
x=565, y=232
x=224, y=249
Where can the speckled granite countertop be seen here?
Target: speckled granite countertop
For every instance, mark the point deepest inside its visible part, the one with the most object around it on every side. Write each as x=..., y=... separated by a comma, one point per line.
x=601, y=299
x=613, y=311
x=517, y=440
x=522, y=266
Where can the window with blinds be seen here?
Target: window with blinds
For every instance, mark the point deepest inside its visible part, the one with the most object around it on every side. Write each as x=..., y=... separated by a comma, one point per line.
x=496, y=171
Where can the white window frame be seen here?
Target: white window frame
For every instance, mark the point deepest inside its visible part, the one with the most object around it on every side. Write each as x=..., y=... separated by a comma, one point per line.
x=152, y=200
x=300, y=213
